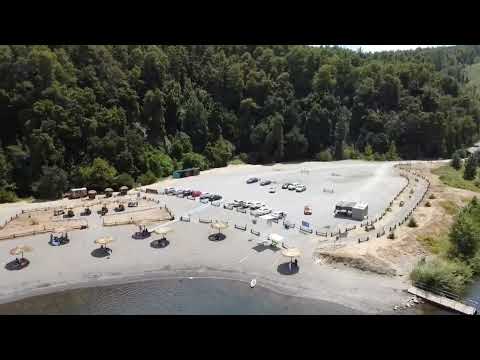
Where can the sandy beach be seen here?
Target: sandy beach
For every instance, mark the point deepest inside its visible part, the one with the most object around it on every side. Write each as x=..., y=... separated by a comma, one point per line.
x=190, y=253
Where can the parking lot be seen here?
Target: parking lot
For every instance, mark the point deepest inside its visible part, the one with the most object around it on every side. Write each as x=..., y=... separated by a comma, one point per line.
x=374, y=183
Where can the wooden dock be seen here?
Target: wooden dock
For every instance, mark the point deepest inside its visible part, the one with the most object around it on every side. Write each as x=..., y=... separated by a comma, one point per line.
x=443, y=301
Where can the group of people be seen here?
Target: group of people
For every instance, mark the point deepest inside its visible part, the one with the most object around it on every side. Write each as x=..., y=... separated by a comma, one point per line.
x=58, y=240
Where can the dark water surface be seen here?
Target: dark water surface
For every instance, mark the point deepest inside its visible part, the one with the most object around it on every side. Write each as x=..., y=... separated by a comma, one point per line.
x=173, y=297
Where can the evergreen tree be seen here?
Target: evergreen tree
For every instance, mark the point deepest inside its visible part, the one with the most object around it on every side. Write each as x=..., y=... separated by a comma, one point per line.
x=368, y=152
x=392, y=152
x=456, y=162
x=470, y=168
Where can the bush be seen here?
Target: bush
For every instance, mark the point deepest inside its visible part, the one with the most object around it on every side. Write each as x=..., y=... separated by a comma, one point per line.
x=324, y=155
x=7, y=196
x=194, y=160
x=412, y=222
x=52, y=183
x=160, y=164
x=124, y=180
x=368, y=153
x=464, y=236
x=147, y=178
x=349, y=152
x=439, y=274
x=456, y=161
x=99, y=175
x=427, y=204
x=243, y=157
x=379, y=157
x=181, y=144
x=462, y=153
x=219, y=153
x=391, y=235
x=432, y=196
x=470, y=171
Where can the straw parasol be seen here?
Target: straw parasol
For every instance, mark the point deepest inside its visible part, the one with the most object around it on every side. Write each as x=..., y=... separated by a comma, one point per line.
x=108, y=190
x=20, y=249
x=219, y=226
x=162, y=230
x=291, y=253
x=104, y=240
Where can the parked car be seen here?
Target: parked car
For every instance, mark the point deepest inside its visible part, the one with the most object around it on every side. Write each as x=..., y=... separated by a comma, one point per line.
x=187, y=192
x=215, y=197
x=256, y=205
x=279, y=215
x=205, y=196
x=265, y=182
x=196, y=193
x=236, y=203
x=286, y=185
x=179, y=193
x=272, y=190
x=169, y=190
x=292, y=187
x=307, y=210
x=252, y=180
x=301, y=188
x=263, y=211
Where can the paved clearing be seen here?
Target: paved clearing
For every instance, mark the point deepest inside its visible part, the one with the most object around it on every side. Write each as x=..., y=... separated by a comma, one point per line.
x=374, y=183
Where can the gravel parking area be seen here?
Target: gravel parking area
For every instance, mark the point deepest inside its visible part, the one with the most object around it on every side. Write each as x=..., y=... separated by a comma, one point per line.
x=374, y=183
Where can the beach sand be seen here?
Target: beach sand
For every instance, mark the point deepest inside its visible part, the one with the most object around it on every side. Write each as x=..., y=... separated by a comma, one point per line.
x=191, y=253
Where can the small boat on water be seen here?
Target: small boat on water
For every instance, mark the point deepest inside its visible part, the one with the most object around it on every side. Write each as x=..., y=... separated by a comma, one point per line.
x=253, y=283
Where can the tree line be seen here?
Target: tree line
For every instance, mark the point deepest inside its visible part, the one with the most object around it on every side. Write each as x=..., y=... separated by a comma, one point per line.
x=100, y=115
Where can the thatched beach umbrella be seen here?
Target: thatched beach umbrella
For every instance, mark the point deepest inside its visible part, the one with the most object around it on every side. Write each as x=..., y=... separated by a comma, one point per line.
x=291, y=253
x=20, y=249
x=162, y=230
x=219, y=226
x=104, y=240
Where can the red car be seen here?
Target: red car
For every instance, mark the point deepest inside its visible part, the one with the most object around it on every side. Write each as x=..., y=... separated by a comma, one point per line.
x=196, y=193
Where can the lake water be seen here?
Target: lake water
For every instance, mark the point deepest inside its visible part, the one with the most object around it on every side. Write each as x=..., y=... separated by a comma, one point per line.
x=188, y=297
x=173, y=297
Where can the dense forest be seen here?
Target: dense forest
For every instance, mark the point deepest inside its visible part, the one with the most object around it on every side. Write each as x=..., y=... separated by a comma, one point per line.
x=108, y=115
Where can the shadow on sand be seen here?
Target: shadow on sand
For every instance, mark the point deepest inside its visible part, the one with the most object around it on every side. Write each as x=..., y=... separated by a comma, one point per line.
x=261, y=248
x=140, y=236
x=100, y=252
x=284, y=269
x=217, y=237
x=15, y=265
x=159, y=243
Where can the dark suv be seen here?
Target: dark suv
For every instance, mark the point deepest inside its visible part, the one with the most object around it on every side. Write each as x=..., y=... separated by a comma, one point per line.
x=265, y=182
x=215, y=197
x=252, y=180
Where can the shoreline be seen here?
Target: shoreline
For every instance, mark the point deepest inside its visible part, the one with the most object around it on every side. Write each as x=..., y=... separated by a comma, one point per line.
x=173, y=274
